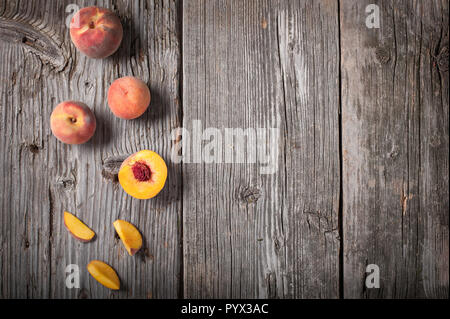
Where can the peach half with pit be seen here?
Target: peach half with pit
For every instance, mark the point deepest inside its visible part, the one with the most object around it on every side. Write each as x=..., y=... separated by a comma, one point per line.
x=143, y=174
x=72, y=122
x=96, y=32
x=128, y=97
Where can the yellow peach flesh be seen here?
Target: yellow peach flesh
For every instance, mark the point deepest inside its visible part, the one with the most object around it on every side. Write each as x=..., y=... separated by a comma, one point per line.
x=77, y=228
x=104, y=274
x=130, y=236
x=143, y=189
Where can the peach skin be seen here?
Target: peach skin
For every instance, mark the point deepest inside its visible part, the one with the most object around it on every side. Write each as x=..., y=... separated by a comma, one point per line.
x=143, y=174
x=96, y=32
x=128, y=97
x=72, y=122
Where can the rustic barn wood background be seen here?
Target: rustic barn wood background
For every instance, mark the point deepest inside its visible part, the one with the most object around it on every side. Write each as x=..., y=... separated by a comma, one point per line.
x=363, y=166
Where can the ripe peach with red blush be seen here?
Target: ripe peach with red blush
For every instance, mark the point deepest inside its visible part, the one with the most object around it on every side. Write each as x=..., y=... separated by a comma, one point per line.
x=72, y=122
x=97, y=32
x=128, y=97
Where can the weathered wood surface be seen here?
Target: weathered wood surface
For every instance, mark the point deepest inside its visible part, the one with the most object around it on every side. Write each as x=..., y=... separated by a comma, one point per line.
x=43, y=177
x=396, y=148
x=367, y=185
x=261, y=64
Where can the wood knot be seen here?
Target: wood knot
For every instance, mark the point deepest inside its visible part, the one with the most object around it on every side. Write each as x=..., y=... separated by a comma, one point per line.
x=248, y=194
x=144, y=254
x=33, y=148
x=111, y=166
x=394, y=153
x=435, y=140
x=66, y=183
x=277, y=244
x=442, y=59
x=383, y=56
x=40, y=41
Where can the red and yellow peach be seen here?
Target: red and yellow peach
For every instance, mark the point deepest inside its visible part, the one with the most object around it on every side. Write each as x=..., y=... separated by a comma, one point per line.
x=72, y=122
x=128, y=97
x=96, y=32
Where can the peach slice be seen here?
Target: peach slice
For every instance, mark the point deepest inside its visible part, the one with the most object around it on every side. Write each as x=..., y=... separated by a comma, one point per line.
x=104, y=274
x=77, y=228
x=130, y=236
x=143, y=174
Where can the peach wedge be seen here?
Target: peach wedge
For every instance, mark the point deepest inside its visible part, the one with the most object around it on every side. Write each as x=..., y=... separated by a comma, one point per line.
x=130, y=236
x=77, y=228
x=104, y=274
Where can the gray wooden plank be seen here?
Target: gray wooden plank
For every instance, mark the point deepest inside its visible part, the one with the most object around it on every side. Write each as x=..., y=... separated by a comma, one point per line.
x=395, y=148
x=24, y=201
x=262, y=64
x=43, y=177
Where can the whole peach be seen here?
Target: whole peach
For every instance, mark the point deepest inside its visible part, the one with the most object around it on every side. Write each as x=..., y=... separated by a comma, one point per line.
x=97, y=32
x=72, y=122
x=128, y=97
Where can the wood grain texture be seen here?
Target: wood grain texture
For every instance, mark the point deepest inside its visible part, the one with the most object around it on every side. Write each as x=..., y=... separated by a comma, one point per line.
x=226, y=229
x=395, y=130
x=262, y=64
x=43, y=177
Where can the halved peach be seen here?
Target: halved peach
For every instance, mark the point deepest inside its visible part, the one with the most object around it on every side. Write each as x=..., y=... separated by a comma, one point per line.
x=77, y=228
x=130, y=236
x=143, y=174
x=104, y=274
